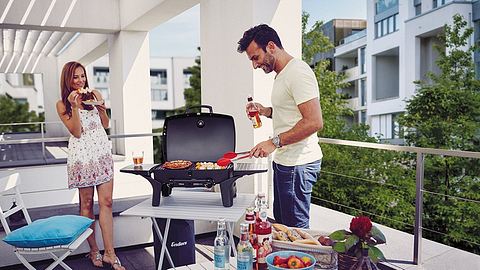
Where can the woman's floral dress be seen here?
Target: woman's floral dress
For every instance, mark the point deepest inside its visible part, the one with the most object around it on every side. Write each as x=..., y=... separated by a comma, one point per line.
x=89, y=161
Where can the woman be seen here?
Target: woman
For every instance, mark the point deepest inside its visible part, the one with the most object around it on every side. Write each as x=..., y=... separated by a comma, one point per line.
x=89, y=162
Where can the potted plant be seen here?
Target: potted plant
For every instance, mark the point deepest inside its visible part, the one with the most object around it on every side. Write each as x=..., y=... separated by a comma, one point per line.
x=358, y=246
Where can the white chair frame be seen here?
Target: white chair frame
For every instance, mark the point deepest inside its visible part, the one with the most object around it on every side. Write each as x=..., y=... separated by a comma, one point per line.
x=11, y=183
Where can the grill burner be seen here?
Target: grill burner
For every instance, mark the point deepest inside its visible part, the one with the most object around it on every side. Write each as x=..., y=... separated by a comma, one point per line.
x=198, y=137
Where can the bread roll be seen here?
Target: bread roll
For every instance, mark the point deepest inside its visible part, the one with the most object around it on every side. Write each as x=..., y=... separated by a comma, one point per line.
x=307, y=241
x=304, y=234
x=280, y=227
x=293, y=235
x=280, y=236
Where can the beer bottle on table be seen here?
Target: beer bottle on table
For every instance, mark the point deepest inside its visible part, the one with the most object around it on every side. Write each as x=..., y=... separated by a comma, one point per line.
x=263, y=229
x=244, y=250
x=250, y=220
x=221, y=250
x=259, y=201
x=253, y=112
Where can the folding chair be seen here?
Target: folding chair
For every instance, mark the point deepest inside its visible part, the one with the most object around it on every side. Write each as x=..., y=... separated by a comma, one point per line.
x=11, y=183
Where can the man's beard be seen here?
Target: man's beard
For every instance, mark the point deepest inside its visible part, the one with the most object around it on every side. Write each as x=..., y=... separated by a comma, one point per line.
x=269, y=63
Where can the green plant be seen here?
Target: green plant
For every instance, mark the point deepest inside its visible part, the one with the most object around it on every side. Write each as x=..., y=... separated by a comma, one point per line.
x=362, y=235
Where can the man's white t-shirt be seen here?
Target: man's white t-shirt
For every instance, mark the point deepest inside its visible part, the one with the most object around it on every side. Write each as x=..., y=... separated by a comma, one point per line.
x=294, y=85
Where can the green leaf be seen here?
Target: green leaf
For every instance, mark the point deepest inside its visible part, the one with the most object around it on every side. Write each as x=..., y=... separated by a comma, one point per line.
x=378, y=235
x=351, y=241
x=339, y=235
x=375, y=254
x=339, y=247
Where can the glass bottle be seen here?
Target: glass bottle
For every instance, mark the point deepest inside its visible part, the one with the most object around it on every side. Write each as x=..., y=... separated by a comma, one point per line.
x=253, y=112
x=259, y=201
x=250, y=220
x=263, y=229
x=244, y=250
x=221, y=250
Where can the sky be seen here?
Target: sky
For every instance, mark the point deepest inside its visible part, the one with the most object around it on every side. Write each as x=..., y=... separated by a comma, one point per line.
x=183, y=31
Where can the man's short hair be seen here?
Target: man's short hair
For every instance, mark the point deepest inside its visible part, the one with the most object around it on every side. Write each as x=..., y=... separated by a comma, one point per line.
x=261, y=34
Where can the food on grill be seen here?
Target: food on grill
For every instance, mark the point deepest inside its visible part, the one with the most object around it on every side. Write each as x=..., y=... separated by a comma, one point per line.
x=177, y=164
x=208, y=166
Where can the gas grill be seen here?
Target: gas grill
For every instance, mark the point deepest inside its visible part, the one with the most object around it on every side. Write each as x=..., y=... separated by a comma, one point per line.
x=197, y=137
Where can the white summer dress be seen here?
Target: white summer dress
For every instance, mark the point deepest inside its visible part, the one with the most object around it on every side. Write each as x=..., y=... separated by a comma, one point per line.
x=89, y=161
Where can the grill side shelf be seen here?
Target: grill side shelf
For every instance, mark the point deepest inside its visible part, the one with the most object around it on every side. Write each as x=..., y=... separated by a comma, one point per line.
x=241, y=169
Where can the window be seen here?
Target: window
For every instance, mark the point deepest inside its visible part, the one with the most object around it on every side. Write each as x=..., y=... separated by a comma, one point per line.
x=363, y=117
x=186, y=76
x=101, y=74
x=159, y=94
x=384, y=5
x=397, y=129
x=418, y=8
x=363, y=92
x=386, y=26
x=28, y=79
x=159, y=114
x=363, y=63
x=158, y=76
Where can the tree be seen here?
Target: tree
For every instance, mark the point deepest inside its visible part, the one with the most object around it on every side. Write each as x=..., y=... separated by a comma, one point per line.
x=194, y=93
x=445, y=114
x=353, y=177
x=14, y=112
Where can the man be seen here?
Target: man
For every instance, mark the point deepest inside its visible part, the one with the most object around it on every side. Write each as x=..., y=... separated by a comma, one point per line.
x=296, y=116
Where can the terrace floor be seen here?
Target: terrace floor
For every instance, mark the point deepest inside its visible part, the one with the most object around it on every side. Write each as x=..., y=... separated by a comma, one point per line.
x=398, y=250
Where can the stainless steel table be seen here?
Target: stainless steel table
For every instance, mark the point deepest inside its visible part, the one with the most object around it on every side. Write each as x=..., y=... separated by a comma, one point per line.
x=193, y=205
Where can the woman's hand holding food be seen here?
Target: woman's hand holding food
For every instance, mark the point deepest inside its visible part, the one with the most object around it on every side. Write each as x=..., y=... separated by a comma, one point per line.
x=75, y=99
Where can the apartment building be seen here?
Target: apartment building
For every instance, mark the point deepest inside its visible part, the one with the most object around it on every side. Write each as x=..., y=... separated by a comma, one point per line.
x=337, y=30
x=169, y=78
x=395, y=50
x=24, y=88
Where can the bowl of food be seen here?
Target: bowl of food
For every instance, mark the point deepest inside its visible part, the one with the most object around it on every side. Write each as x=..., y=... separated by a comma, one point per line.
x=289, y=259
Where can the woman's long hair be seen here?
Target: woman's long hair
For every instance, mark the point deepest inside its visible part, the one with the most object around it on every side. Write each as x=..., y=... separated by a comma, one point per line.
x=66, y=83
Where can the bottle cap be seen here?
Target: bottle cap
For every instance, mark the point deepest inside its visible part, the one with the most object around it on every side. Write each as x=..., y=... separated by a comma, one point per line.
x=249, y=97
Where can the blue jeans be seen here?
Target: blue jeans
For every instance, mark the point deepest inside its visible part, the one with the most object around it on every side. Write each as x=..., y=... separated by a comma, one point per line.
x=292, y=192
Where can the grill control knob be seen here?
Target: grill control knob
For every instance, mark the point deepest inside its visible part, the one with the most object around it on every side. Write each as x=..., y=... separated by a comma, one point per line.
x=200, y=123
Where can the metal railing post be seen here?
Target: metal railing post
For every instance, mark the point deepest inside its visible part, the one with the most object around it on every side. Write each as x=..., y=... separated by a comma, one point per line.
x=43, y=141
x=417, y=230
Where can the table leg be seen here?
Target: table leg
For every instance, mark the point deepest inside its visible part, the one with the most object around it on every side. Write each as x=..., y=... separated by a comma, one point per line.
x=230, y=226
x=163, y=239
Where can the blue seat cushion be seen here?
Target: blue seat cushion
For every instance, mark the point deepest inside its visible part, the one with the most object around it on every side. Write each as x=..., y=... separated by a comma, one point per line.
x=52, y=231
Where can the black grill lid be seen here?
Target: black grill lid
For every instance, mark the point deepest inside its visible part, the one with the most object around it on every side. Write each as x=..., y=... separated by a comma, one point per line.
x=198, y=136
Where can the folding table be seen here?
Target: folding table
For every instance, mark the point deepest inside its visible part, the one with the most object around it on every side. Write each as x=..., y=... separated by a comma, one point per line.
x=196, y=205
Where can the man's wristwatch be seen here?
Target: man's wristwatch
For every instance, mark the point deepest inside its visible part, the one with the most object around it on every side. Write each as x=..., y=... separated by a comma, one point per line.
x=276, y=141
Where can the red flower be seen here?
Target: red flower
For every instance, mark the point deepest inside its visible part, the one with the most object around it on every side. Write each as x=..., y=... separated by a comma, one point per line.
x=361, y=226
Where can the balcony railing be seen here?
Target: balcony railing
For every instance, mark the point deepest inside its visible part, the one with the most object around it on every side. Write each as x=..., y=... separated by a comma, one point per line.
x=354, y=37
x=417, y=164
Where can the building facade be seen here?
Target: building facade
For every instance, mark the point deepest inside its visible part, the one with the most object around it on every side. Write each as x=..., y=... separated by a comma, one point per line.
x=169, y=77
x=396, y=50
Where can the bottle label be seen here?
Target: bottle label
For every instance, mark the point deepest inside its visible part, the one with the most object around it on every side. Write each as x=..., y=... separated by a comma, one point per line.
x=264, y=247
x=244, y=260
x=219, y=257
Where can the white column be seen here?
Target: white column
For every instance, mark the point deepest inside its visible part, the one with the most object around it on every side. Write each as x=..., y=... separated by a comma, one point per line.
x=228, y=76
x=130, y=97
x=51, y=70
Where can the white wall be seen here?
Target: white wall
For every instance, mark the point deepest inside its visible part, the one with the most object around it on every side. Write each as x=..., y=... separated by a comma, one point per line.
x=228, y=77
